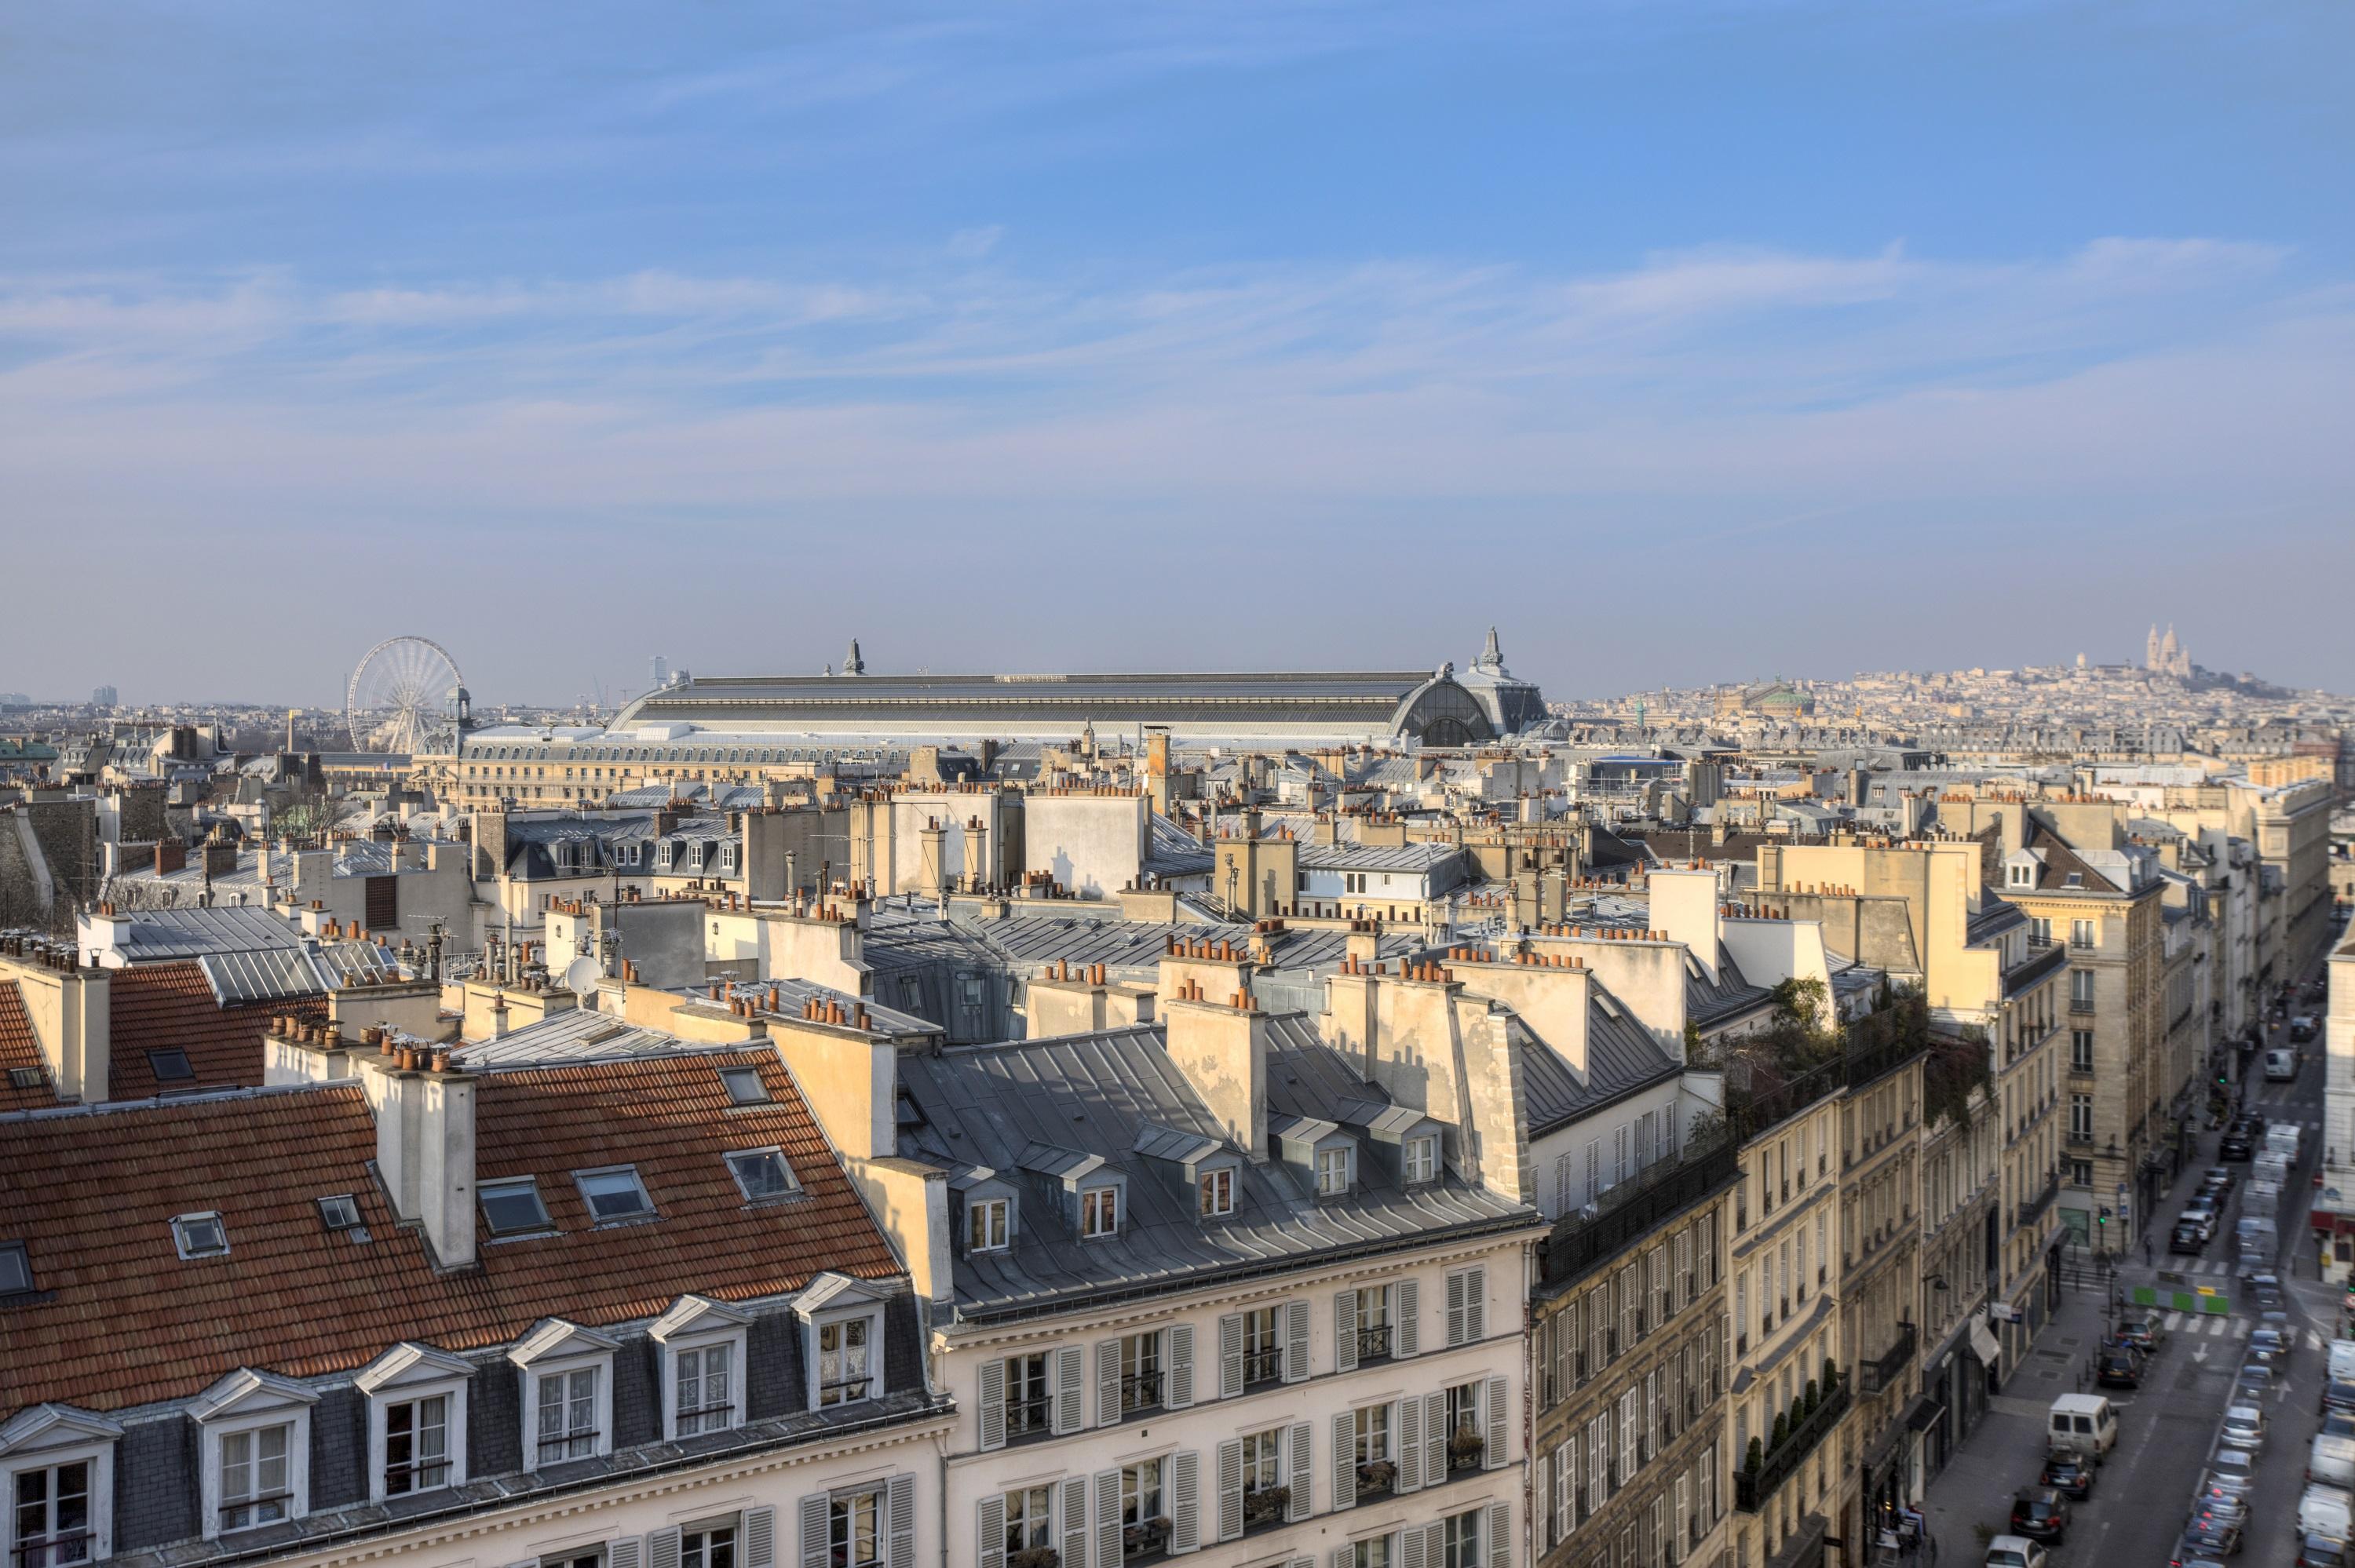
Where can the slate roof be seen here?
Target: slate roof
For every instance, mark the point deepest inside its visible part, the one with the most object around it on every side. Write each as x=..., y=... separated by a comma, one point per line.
x=20, y=1053
x=1622, y=1058
x=1418, y=857
x=1026, y=941
x=1094, y=1095
x=93, y=1193
x=158, y=1006
x=2061, y=863
x=1709, y=1003
x=156, y=935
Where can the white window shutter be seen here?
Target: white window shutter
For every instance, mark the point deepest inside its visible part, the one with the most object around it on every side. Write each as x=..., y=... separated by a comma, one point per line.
x=993, y=1531
x=527, y=1562
x=1295, y=1342
x=1540, y=1488
x=1435, y=1436
x=1345, y=1332
x=759, y=1538
x=1341, y=1557
x=1231, y=1356
x=1230, y=1490
x=1345, y=1467
x=1500, y=1535
x=900, y=1499
x=1179, y=1392
x=1069, y=1374
x=1296, y=1454
x=1434, y=1544
x=1184, y=1500
x=624, y=1553
x=1455, y=1307
x=1107, y=1382
x=815, y=1551
x=1476, y=1303
x=1410, y=1544
x=992, y=1402
x=1406, y=1332
x=1408, y=1419
x=1108, y=1519
x=1493, y=1400
x=1075, y=1522
x=662, y=1547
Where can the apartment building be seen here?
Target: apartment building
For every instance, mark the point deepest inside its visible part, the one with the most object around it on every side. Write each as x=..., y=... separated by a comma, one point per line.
x=620, y=1313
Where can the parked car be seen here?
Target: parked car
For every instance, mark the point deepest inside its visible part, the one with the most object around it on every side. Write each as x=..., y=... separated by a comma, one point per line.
x=2211, y=1537
x=2338, y=1396
x=2015, y=1551
x=2234, y=1145
x=2303, y=1028
x=2216, y=1180
x=2244, y=1427
x=2143, y=1334
x=2069, y=1476
x=2118, y=1368
x=2321, y=1551
x=2040, y=1514
x=2201, y=1212
x=2230, y=1473
x=2251, y=1382
x=2265, y=1291
x=2267, y=1345
x=2189, y=1236
x=2338, y=1422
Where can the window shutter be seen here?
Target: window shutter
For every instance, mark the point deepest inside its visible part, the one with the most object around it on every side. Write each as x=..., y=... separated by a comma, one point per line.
x=1179, y=1394
x=1231, y=1356
x=1495, y=1402
x=1107, y=1382
x=1184, y=1500
x=1344, y=1468
x=1500, y=1530
x=1408, y=1419
x=1540, y=1481
x=814, y=1553
x=1068, y=1375
x=624, y=1553
x=1108, y=1519
x=1075, y=1522
x=1476, y=1303
x=1455, y=1308
x=1411, y=1548
x=662, y=1545
x=1435, y=1437
x=1295, y=1342
x=759, y=1537
x=1230, y=1490
x=1345, y=1332
x=1341, y=1557
x=1435, y=1550
x=1296, y=1444
x=993, y=1531
x=531, y=1563
x=1406, y=1333
x=992, y=1402
x=900, y=1496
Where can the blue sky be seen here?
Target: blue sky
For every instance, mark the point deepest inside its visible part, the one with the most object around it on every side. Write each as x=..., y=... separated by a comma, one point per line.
x=1682, y=341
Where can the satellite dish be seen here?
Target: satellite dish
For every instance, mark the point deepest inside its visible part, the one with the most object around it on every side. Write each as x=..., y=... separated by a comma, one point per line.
x=582, y=977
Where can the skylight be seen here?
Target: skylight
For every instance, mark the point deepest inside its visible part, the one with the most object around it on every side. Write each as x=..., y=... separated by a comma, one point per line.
x=512, y=1205
x=201, y=1235
x=15, y=1270
x=24, y=1078
x=762, y=1174
x=744, y=1086
x=339, y=1211
x=170, y=1065
x=614, y=1194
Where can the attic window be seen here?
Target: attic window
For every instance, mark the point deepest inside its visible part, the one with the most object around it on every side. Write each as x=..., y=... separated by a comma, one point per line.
x=170, y=1065
x=744, y=1086
x=15, y=1270
x=2076, y=879
x=1334, y=1171
x=201, y=1235
x=762, y=1174
x=338, y=1212
x=1100, y=1212
x=614, y=1193
x=24, y=1078
x=513, y=1206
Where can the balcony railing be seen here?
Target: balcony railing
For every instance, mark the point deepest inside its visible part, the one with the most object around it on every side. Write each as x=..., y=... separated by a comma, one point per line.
x=2040, y=962
x=1752, y=1488
x=1373, y=1343
x=1580, y=1240
x=1140, y=1390
x=2032, y=1209
x=1262, y=1366
x=1885, y=1373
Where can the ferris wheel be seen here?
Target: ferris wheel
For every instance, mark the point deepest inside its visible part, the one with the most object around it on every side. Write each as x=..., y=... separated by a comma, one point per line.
x=401, y=695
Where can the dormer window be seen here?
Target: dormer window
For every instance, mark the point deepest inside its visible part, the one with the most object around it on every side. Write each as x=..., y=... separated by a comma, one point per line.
x=201, y=1235
x=1336, y=1169
x=2022, y=874
x=846, y=1370
x=1422, y=1161
x=986, y=1228
x=1100, y=1212
x=256, y=1437
x=417, y=1420
x=1218, y=1193
x=567, y=1392
x=703, y=1350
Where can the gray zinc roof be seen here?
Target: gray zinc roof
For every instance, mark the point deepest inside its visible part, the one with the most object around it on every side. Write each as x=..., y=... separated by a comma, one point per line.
x=156, y=935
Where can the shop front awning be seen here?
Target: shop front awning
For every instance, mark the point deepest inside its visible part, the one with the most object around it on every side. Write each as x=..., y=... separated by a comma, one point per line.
x=1927, y=1412
x=1984, y=1344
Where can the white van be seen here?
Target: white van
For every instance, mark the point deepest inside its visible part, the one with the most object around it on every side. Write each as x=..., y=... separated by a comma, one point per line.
x=2082, y=1424
x=2342, y=1360
x=2326, y=1511
x=2281, y=1066
x=2332, y=1461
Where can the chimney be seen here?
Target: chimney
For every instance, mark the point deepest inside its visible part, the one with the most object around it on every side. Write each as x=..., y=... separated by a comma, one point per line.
x=1222, y=1051
x=425, y=1146
x=1685, y=906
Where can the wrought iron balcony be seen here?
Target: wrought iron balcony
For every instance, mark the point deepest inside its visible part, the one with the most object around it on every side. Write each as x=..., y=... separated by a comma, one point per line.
x=1890, y=1369
x=2032, y=1209
x=1752, y=1488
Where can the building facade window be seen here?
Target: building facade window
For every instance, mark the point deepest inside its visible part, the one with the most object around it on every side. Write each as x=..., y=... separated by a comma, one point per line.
x=2082, y=933
x=2080, y=1050
x=1263, y=1347
x=1141, y=1512
x=1423, y=1161
x=986, y=1229
x=846, y=1373
x=256, y=1478
x=1218, y=1194
x=1459, y=1537
x=2081, y=990
x=703, y=1389
x=708, y=1545
x=417, y=1445
x=854, y=1530
x=51, y=1520
x=567, y=1424
x=1140, y=1372
x=1100, y=1212
x=1333, y=1169
x=2081, y=1116
x=1030, y=1395
x=1373, y=1322
x=1030, y=1518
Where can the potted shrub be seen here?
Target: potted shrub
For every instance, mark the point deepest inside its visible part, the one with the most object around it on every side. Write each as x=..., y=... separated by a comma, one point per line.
x=1781, y=1431
x=1756, y=1457
x=1268, y=1503
x=1146, y=1535
x=1815, y=1396
x=1466, y=1448
x=1376, y=1475
x=1035, y=1557
x=1831, y=1376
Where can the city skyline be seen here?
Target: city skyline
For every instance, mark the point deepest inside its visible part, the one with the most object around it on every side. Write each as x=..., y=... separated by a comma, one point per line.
x=1806, y=337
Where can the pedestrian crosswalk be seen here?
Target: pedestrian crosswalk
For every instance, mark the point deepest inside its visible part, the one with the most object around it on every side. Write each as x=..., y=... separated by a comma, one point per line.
x=2220, y=1326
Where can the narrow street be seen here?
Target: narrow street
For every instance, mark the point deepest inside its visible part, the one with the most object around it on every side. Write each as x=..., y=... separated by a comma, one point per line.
x=2143, y=1494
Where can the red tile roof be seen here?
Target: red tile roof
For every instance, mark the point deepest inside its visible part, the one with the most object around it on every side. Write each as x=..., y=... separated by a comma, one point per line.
x=128, y=1322
x=19, y=1051
x=157, y=1006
